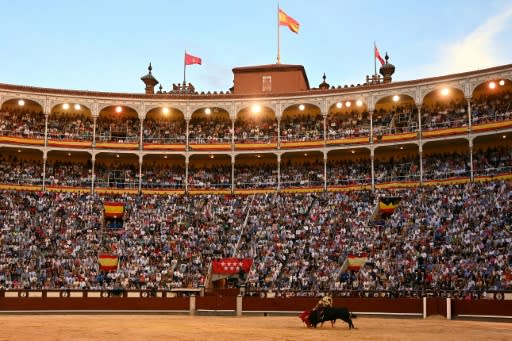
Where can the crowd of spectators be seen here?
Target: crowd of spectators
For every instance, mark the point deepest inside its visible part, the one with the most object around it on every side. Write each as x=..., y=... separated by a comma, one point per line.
x=256, y=129
x=438, y=116
x=491, y=108
x=310, y=173
x=348, y=125
x=446, y=165
x=302, y=128
x=116, y=175
x=397, y=169
x=261, y=176
x=492, y=161
x=209, y=177
x=164, y=131
x=19, y=171
x=68, y=173
x=22, y=123
x=205, y=130
x=70, y=126
x=453, y=237
x=348, y=172
x=117, y=130
x=163, y=176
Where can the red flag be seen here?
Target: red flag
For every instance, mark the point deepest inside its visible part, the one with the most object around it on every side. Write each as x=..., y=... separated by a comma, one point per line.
x=190, y=59
x=286, y=20
x=378, y=56
x=231, y=265
x=108, y=262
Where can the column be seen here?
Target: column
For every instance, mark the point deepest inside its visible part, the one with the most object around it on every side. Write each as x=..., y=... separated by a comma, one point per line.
x=371, y=126
x=232, y=174
x=372, y=158
x=141, y=133
x=46, y=129
x=279, y=132
x=421, y=163
x=471, y=159
x=93, y=174
x=470, y=118
x=419, y=120
x=325, y=128
x=278, y=172
x=186, y=168
x=325, y=171
x=94, y=119
x=140, y=171
x=187, y=141
x=45, y=156
x=233, y=134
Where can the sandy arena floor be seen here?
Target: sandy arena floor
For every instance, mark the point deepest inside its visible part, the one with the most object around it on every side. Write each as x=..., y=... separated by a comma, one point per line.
x=210, y=328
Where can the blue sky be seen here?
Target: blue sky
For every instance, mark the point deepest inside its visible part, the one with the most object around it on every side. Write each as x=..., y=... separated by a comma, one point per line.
x=107, y=45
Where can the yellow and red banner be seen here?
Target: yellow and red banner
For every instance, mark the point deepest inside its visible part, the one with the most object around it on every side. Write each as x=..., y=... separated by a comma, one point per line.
x=388, y=205
x=108, y=262
x=286, y=20
x=356, y=262
x=113, y=209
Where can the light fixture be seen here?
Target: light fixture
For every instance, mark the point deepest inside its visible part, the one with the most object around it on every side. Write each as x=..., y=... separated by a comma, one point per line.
x=353, y=151
x=19, y=150
x=65, y=106
x=445, y=91
x=207, y=111
x=165, y=110
x=77, y=106
x=401, y=147
x=348, y=104
x=21, y=102
x=165, y=156
x=119, y=109
x=212, y=156
x=69, y=154
x=396, y=98
x=301, y=107
x=256, y=108
x=305, y=154
x=504, y=136
x=258, y=156
x=339, y=105
x=359, y=103
x=502, y=82
x=492, y=85
x=117, y=155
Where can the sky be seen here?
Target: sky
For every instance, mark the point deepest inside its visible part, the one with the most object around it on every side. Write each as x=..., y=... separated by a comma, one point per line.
x=107, y=45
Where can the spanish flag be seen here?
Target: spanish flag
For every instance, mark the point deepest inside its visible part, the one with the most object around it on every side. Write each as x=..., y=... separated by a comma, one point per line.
x=286, y=20
x=113, y=209
x=356, y=262
x=108, y=262
x=388, y=205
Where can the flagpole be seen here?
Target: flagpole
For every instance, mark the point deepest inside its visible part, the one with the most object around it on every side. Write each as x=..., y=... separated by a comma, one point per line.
x=278, y=37
x=184, y=68
x=374, y=58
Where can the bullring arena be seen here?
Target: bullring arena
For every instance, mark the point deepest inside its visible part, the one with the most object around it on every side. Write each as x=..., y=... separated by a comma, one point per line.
x=179, y=214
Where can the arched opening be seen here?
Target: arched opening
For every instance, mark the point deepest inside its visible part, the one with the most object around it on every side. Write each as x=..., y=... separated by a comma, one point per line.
x=301, y=123
x=165, y=125
x=70, y=122
x=256, y=124
x=491, y=102
x=209, y=172
x=444, y=108
x=21, y=166
x=116, y=170
x=210, y=126
x=395, y=114
x=398, y=163
x=22, y=118
x=118, y=124
x=68, y=169
x=349, y=167
x=348, y=120
x=492, y=155
x=446, y=159
x=256, y=171
x=302, y=169
x=163, y=172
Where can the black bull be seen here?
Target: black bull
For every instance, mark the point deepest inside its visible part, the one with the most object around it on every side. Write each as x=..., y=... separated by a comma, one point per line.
x=330, y=314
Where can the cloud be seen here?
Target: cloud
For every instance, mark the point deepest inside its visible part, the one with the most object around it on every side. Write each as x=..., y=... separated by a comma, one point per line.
x=477, y=50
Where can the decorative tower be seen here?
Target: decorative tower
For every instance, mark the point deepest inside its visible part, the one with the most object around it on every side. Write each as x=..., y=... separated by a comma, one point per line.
x=150, y=81
x=387, y=70
x=324, y=85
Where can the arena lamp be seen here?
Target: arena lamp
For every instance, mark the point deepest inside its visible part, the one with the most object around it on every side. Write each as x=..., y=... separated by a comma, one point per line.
x=69, y=154
x=21, y=102
x=119, y=109
x=492, y=85
x=502, y=82
x=65, y=106
x=348, y=104
x=301, y=107
x=396, y=98
x=165, y=156
x=117, y=155
x=165, y=110
x=359, y=103
x=445, y=91
x=207, y=111
x=504, y=136
x=353, y=151
x=77, y=106
x=256, y=108
x=212, y=156
x=339, y=105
